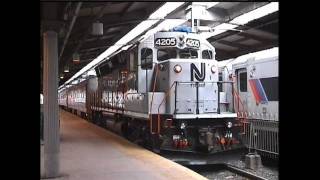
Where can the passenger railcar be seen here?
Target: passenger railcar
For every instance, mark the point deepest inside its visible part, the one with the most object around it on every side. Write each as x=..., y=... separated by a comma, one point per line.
x=256, y=83
x=256, y=98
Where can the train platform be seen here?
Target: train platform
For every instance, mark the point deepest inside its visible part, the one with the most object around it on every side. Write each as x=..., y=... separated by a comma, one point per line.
x=91, y=152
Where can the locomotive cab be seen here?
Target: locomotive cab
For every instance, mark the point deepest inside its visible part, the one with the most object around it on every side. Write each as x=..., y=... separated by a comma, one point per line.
x=185, y=65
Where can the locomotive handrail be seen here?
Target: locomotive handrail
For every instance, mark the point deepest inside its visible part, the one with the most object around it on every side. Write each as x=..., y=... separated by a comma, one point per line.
x=167, y=92
x=166, y=95
x=243, y=119
x=232, y=83
x=239, y=100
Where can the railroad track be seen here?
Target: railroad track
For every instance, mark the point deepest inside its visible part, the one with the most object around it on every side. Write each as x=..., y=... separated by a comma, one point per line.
x=222, y=166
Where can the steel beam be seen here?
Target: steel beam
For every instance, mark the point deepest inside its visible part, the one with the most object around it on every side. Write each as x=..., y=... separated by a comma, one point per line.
x=74, y=18
x=124, y=11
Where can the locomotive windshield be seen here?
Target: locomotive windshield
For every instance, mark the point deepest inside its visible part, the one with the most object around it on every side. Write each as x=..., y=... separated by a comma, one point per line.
x=172, y=53
x=169, y=53
x=188, y=54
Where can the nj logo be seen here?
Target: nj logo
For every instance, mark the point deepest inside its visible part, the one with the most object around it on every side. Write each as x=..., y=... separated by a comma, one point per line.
x=195, y=73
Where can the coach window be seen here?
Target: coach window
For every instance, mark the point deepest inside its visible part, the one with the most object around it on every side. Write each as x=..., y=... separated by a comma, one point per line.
x=270, y=86
x=165, y=54
x=243, y=81
x=146, y=58
x=207, y=54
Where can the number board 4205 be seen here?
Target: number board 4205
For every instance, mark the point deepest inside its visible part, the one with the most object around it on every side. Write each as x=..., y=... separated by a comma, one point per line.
x=193, y=43
x=165, y=42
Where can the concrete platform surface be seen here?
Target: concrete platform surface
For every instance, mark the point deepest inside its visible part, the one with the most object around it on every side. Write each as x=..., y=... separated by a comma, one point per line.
x=88, y=152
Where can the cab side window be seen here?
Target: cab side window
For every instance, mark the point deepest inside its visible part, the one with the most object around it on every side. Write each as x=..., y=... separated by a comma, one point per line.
x=146, y=58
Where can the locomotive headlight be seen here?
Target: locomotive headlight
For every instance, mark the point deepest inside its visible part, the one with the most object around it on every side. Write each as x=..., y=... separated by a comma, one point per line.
x=229, y=124
x=213, y=69
x=177, y=68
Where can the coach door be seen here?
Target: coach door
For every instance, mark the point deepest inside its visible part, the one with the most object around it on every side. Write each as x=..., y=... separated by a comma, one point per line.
x=242, y=89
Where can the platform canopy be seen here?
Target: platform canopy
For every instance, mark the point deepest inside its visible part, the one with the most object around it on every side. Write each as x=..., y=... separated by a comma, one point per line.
x=92, y=31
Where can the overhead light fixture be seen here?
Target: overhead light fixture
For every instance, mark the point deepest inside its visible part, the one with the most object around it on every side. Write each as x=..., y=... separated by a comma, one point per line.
x=256, y=14
x=61, y=76
x=76, y=58
x=159, y=14
x=166, y=9
x=97, y=28
x=66, y=68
